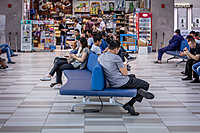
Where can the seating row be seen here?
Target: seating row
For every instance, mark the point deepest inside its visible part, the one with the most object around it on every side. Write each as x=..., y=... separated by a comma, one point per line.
x=91, y=82
x=176, y=54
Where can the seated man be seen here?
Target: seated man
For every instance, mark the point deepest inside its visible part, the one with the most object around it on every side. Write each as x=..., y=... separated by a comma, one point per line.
x=182, y=53
x=90, y=38
x=96, y=46
x=194, y=57
x=117, y=76
x=174, y=44
x=196, y=68
x=4, y=48
x=76, y=44
x=104, y=44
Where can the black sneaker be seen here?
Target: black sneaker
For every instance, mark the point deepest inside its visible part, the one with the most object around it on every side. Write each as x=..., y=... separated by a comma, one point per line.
x=157, y=62
x=187, y=78
x=14, y=55
x=130, y=109
x=146, y=94
x=195, y=81
x=11, y=62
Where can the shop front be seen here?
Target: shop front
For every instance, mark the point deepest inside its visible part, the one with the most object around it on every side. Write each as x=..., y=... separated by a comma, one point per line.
x=131, y=17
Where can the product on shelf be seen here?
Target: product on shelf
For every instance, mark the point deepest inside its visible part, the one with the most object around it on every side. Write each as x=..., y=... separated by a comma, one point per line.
x=95, y=7
x=81, y=6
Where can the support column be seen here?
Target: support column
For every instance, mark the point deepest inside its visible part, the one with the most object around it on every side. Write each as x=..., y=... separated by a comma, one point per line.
x=189, y=18
x=163, y=22
x=175, y=18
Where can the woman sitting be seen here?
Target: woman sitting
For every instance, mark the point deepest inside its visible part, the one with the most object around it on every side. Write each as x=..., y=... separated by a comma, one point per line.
x=74, y=61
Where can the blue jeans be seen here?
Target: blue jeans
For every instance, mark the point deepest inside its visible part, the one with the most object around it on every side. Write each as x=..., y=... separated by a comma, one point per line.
x=5, y=48
x=163, y=50
x=63, y=41
x=196, y=68
x=73, y=52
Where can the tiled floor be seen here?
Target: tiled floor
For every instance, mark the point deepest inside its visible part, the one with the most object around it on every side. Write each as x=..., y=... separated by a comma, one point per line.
x=28, y=105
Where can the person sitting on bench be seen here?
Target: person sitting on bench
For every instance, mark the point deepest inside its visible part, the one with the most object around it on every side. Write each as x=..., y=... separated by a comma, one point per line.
x=196, y=68
x=74, y=61
x=117, y=76
x=96, y=46
x=174, y=44
x=5, y=48
x=194, y=57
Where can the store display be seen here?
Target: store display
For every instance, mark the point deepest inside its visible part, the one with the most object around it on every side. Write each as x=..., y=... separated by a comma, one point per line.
x=120, y=5
x=26, y=12
x=119, y=16
x=95, y=7
x=70, y=34
x=111, y=6
x=129, y=42
x=81, y=6
x=44, y=34
x=26, y=35
x=144, y=26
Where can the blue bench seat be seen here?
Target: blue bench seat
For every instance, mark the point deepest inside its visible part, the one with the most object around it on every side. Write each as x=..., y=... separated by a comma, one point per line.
x=176, y=54
x=82, y=87
x=78, y=74
x=91, y=82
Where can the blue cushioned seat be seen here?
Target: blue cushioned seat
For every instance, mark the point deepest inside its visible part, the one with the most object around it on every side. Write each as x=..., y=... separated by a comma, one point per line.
x=77, y=74
x=91, y=82
x=83, y=88
x=177, y=54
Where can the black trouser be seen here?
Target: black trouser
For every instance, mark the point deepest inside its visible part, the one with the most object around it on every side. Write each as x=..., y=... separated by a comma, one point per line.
x=137, y=84
x=57, y=63
x=188, y=69
x=62, y=68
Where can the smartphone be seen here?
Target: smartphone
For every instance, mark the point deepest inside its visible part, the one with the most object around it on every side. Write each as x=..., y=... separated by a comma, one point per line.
x=67, y=56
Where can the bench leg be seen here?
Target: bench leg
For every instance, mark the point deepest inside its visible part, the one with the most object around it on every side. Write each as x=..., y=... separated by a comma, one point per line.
x=86, y=101
x=180, y=62
x=171, y=58
x=76, y=105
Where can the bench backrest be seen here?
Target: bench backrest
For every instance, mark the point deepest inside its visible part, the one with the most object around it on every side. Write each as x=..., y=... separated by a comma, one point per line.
x=184, y=44
x=97, y=81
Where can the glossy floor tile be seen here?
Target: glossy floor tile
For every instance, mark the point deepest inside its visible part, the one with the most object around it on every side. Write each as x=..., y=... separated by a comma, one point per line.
x=28, y=105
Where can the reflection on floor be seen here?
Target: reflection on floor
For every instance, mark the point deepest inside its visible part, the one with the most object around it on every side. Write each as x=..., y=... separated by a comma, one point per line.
x=28, y=105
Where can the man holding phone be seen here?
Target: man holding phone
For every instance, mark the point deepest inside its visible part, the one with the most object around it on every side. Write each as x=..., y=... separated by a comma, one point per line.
x=194, y=57
x=116, y=74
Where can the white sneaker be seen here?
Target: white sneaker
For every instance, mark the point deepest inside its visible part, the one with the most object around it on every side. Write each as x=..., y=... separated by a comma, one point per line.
x=57, y=86
x=46, y=78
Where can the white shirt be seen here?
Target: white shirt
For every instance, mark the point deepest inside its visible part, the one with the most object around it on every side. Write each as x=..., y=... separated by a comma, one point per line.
x=102, y=25
x=96, y=49
x=90, y=41
x=78, y=26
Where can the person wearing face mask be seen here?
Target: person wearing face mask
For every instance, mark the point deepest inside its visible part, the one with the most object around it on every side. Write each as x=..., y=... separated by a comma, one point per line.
x=194, y=57
x=174, y=44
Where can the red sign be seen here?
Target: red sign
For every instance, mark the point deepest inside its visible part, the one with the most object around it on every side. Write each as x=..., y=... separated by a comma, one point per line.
x=9, y=5
x=162, y=5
